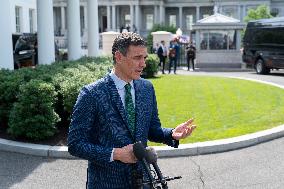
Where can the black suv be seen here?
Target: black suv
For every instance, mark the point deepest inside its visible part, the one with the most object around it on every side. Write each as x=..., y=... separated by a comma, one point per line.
x=264, y=45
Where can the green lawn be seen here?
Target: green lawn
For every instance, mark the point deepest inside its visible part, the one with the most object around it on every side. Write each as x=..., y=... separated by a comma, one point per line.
x=222, y=107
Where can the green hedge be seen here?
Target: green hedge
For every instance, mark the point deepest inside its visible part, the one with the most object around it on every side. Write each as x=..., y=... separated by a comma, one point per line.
x=34, y=102
x=35, y=115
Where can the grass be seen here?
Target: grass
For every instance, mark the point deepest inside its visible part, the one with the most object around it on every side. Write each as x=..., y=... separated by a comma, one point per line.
x=222, y=107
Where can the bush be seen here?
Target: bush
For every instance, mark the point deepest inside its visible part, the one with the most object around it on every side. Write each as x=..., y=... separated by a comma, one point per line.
x=33, y=116
x=152, y=66
x=70, y=82
x=66, y=79
x=9, y=88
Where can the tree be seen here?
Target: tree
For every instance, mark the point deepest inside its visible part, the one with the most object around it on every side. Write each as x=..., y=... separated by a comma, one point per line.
x=262, y=11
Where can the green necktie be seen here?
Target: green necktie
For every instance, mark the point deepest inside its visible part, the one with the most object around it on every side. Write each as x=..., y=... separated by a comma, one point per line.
x=129, y=107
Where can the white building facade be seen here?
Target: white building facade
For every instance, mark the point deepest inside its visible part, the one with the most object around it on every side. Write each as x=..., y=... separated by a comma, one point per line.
x=137, y=15
x=140, y=15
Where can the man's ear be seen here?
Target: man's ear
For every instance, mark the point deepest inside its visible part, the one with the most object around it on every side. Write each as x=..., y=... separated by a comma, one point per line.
x=118, y=56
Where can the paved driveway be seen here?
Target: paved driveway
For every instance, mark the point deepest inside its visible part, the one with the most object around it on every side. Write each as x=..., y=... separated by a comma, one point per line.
x=256, y=167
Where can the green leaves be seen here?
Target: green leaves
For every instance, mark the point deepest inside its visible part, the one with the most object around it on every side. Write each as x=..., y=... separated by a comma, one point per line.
x=34, y=100
x=152, y=66
x=262, y=11
x=33, y=115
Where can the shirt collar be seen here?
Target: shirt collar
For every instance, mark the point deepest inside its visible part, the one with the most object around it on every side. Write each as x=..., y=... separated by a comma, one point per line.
x=119, y=83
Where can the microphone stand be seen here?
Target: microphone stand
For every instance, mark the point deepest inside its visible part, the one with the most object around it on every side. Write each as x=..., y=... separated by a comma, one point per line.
x=149, y=156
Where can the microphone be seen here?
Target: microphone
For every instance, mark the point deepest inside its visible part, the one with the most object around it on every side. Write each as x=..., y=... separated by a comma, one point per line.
x=140, y=153
x=151, y=157
x=139, y=150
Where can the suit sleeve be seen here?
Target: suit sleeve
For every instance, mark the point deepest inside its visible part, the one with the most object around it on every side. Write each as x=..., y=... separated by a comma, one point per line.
x=83, y=117
x=156, y=132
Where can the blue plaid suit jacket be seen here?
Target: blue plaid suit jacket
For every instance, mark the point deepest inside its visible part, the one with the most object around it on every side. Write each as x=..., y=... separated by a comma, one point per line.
x=99, y=124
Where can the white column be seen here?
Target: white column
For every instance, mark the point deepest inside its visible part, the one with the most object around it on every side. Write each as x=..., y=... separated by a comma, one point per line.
x=156, y=14
x=108, y=18
x=113, y=18
x=180, y=17
x=137, y=18
x=131, y=17
x=238, y=40
x=197, y=40
x=162, y=15
x=73, y=26
x=197, y=13
x=45, y=30
x=93, y=28
x=239, y=13
x=244, y=13
x=63, y=26
x=6, y=46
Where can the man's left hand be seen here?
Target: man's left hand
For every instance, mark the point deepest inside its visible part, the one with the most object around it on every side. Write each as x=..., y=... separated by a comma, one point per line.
x=183, y=130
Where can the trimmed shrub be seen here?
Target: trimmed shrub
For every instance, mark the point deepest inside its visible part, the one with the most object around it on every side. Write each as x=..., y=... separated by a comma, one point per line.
x=152, y=66
x=33, y=116
x=70, y=82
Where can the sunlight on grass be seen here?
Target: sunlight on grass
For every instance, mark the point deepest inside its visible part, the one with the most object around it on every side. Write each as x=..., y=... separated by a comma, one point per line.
x=222, y=107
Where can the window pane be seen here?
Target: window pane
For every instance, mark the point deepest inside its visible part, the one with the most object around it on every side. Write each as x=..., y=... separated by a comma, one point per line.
x=173, y=21
x=149, y=21
x=31, y=16
x=232, y=34
x=18, y=24
x=231, y=11
x=189, y=22
x=218, y=40
x=203, y=40
x=127, y=19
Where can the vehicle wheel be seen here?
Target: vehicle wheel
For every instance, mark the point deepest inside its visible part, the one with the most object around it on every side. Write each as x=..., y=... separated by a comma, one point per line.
x=260, y=67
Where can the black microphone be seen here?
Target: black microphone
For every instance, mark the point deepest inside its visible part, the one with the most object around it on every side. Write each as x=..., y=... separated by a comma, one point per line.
x=139, y=150
x=151, y=157
x=140, y=153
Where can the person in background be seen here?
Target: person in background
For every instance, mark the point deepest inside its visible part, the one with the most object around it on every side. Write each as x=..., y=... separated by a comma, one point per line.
x=162, y=54
x=190, y=55
x=155, y=48
x=173, y=55
x=113, y=113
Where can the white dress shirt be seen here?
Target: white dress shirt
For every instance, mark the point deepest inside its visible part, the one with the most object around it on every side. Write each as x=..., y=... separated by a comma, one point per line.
x=120, y=84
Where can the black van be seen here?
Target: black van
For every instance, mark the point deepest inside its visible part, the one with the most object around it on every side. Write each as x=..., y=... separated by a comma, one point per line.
x=264, y=45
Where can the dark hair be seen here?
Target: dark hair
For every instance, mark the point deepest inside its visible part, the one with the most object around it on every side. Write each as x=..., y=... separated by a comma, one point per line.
x=124, y=40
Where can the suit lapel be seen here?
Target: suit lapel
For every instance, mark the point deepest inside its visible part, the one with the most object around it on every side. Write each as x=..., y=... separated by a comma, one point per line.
x=138, y=110
x=116, y=100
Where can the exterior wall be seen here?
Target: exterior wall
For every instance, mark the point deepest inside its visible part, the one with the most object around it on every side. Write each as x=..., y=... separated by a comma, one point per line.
x=25, y=5
x=278, y=7
x=165, y=8
x=225, y=58
x=158, y=8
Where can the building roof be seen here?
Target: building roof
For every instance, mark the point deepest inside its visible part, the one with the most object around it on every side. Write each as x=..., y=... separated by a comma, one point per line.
x=218, y=18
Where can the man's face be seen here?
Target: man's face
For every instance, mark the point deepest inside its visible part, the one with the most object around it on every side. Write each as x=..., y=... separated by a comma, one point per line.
x=130, y=67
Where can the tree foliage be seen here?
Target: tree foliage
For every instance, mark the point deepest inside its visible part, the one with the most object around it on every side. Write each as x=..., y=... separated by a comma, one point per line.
x=262, y=11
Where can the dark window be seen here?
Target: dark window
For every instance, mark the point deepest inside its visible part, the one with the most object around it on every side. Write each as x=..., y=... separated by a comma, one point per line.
x=265, y=35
